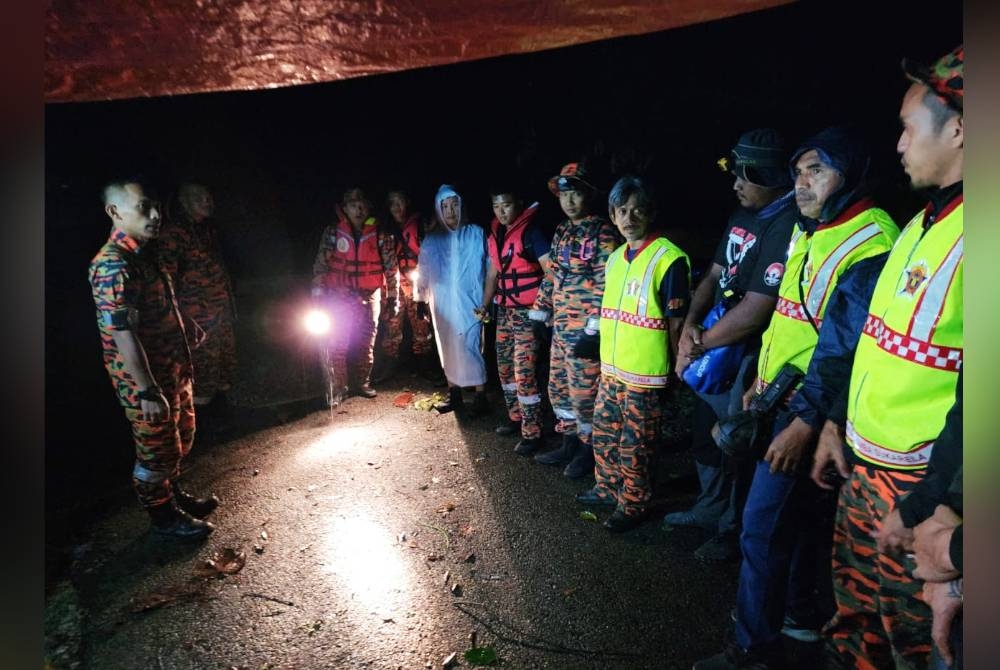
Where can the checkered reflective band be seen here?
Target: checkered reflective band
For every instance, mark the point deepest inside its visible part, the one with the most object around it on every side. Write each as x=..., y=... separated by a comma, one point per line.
x=912, y=349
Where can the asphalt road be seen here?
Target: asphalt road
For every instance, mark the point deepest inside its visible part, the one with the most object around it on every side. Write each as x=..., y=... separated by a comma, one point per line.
x=364, y=522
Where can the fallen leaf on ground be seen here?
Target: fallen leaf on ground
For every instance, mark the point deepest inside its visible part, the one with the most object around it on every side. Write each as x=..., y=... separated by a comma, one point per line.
x=225, y=562
x=467, y=531
x=259, y=549
x=456, y=590
x=449, y=660
x=435, y=480
x=588, y=516
x=167, y=598
x=263, y=535
x=570, y=591
x=447, y=507
x=471, y=558
x=481, y=655
x=402, y=400
x=453, y=463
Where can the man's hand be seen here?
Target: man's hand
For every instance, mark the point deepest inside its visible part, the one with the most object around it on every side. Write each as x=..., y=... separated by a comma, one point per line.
x=829, y=454
x=787, y=447
x=932, y=544
x=893, y=537
x=588, y=347
x=422, y=312
x=945, y=600
x=749, y=395
x=688, y=347
x=482, y=313
x=155, y=410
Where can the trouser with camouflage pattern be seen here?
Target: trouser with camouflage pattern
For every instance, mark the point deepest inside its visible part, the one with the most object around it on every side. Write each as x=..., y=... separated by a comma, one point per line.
x=626, y=436
x=572, y=381
x=517, y=361
x=161, y=446
x=420, y=328
x=347, y=358
x=881, y=619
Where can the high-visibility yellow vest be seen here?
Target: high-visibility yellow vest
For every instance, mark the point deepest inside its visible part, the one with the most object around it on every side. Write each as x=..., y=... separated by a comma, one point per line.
x=634, y=336
x=815, y=263
x=906, y=366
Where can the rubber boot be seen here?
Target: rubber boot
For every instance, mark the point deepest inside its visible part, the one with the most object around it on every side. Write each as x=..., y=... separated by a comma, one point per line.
x=199, y=508
x=561, y=455
x=454, y=403
x=480, y=404
x=582, y=463
x=527, y=446
x=170, y=521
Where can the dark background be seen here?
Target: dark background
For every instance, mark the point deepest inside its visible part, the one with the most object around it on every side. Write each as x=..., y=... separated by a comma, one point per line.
x=667, y=105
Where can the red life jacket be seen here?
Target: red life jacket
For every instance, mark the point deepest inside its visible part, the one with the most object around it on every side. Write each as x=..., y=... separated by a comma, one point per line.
x=408, y=243
x=520, y=272
x=354, y=262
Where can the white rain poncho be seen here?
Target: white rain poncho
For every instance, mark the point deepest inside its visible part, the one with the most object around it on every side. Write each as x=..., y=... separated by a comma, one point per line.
x=452, y=269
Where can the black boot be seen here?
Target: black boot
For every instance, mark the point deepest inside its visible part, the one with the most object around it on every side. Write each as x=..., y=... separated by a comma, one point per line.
x=508, y=427
x=387, y=370
x=526, y=446
x=199, y=508
x=582, y=463
x=430, y=369
x=171, y=521
x=366, y=391
x=480, y=404
x=454, y=403
x=561, y=455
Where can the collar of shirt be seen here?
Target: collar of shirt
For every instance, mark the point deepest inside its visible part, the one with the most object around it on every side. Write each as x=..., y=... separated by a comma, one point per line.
x=941, y=199
x=125, y=241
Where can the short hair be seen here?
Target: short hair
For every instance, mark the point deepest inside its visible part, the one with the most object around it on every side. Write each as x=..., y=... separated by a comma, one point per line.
x=401, y=193
x=115, y=189
x=355, y=193
x=505, y=189
x=941, y=111
x=628, y=186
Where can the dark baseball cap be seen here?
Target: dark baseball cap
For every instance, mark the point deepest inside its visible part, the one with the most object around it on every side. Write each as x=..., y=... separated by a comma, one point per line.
x=944, y=77
x=572, y=177
x=759, y=157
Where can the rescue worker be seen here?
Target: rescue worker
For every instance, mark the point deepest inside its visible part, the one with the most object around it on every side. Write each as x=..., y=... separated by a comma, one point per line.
x=189, y=247
x=519, y=258
x=570, y=298
x=355, y=257
x=452, y=270
x=744, y=278
x=646, y=294
x=409, y=232
x=784, y=520
x=902, y=385
x=147, y=356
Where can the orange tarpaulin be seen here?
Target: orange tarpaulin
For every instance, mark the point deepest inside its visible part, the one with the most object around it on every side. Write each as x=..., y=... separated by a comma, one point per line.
x=104, y=50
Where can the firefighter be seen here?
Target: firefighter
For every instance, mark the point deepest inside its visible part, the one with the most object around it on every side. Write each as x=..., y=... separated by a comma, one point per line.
x=409, y=233
x=355, y=257
x=646, y=295
x=519, y=258
x=147, y=356
x=570, y=298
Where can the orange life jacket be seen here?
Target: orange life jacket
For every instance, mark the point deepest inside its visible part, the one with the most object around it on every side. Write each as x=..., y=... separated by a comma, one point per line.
x=353, y=258
x=520, y=272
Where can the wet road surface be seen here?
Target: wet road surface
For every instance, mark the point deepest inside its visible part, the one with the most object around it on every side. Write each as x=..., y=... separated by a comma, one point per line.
x=384, y=537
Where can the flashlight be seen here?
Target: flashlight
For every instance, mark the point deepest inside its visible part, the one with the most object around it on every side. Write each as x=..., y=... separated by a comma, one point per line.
x=316, y=322
x=414, y=275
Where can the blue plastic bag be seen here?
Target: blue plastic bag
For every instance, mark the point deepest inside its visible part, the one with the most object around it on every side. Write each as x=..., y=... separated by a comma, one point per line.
x=715, y=371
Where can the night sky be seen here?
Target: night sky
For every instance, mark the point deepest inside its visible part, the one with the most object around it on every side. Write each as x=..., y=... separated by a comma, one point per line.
x=667, y=105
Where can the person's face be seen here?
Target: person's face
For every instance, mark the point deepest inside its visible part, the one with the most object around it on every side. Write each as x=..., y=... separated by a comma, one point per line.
x=397, y=207
x=200, y=204
x=926, y=154
x=814, y=182
x=752, y=196
x=506, y=208
x=449, y=211
x=574, y=204
x=632, y=220
x=136, y=215
x=356, y=211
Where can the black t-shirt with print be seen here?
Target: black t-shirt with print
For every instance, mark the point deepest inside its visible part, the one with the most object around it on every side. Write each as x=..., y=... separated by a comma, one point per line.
x=752, y=252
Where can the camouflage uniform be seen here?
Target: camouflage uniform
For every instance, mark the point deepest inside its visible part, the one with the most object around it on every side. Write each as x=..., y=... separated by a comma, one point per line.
x=132, y=291
x=190, y=254
x=348, y=356
x=571, y=292
x=407, y=252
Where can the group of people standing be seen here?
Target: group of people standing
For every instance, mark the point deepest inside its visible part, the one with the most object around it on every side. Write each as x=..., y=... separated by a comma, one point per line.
x=812, y=282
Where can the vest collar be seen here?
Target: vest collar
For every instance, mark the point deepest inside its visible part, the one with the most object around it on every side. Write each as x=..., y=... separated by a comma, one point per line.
x=848, y=214
x=521, y=221
x=942, y=202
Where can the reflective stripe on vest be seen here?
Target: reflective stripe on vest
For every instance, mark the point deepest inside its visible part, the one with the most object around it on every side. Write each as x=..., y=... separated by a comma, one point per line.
x=634, y=336
x=817, y=261
x=911, y=349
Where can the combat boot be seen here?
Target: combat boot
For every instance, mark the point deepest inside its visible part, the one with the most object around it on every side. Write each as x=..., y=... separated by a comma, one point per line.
x=527, y=446
x=366, y=391
x=169, y=520
x=480, y=404
x=199, y=508
x=387, y=370
x=561, y=455
x=582, y=463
